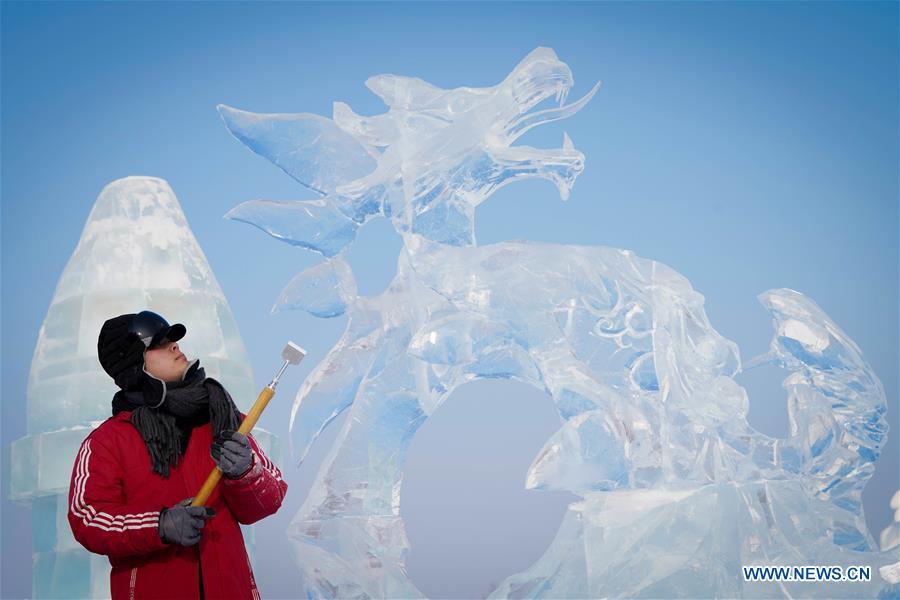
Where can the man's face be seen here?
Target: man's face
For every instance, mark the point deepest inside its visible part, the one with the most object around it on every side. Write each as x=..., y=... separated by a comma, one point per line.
x=166, y=362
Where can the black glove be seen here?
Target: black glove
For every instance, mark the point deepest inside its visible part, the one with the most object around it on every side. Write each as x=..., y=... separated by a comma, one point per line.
x=182, y=523
x=232, y=453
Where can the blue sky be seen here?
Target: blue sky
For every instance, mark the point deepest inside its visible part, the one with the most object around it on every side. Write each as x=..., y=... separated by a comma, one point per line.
x=747, y=145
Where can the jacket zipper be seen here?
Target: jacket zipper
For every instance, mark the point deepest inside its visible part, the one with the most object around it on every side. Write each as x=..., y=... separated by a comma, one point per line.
x=254, y=592
x=133, y=582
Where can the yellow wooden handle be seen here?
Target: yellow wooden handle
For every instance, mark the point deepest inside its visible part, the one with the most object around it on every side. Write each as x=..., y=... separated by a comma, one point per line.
x=257, y=409
x=246, y=427
x=208, y=486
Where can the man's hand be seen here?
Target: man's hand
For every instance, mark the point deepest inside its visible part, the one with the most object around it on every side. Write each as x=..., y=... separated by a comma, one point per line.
x=181, y=524
x=232, y=454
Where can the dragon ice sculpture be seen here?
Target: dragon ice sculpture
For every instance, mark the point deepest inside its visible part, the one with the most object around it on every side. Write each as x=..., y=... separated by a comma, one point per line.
x=678, y=490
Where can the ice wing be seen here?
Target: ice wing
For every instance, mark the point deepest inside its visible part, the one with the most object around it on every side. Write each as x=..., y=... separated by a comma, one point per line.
x=312, y=224
x=310, y=148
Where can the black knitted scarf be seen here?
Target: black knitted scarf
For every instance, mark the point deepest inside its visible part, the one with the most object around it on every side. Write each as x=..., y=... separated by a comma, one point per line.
x=166, y=413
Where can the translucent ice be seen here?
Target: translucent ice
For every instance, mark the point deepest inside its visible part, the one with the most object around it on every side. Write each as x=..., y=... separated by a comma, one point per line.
x=890, y=540
x=890, y=536
x=324, y=290
x=136, y=251
x=678, y=491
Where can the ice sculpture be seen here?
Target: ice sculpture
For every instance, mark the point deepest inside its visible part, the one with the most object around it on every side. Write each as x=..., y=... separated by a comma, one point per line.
x=136, y=251
x=678, y=491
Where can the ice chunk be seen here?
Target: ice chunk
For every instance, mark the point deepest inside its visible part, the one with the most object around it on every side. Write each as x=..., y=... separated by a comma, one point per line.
x=890, y=536
x=402, y=92
x=595, y=451
x=42, y=463
x=890, y=539
x=678, y=490
x=63, y=574
x=324, y=290
x=43, y=529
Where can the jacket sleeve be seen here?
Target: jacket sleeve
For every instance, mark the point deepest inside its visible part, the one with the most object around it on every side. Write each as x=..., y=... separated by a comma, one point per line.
x=99, y=516
x=258, y=493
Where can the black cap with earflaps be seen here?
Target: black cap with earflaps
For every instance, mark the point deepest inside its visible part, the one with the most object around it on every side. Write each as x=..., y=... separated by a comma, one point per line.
x=123, y=340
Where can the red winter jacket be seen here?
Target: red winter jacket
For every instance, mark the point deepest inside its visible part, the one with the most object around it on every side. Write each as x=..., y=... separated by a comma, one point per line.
x=114, y=503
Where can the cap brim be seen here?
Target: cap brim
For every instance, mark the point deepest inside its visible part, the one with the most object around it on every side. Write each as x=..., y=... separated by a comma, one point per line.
x=172, y=334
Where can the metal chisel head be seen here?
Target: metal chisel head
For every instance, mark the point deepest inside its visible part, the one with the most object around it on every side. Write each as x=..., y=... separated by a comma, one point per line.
x=293, y=353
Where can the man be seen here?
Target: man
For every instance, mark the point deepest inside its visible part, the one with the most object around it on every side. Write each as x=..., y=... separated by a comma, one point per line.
x=134, y=475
